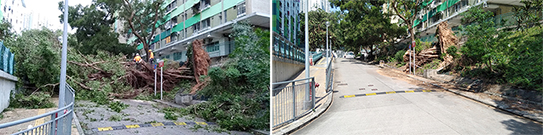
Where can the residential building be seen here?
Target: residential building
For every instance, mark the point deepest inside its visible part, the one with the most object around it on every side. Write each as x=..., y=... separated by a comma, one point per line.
x=14, y=12
x=210, y=20
x=437, y=11
x=286, y=20
x=314, y=5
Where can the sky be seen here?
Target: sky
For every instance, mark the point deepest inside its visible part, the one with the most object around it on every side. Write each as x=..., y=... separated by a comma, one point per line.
x=49, y=8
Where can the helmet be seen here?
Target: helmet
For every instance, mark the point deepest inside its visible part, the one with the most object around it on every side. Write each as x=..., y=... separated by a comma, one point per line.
x=150, y=50
x=137, y=54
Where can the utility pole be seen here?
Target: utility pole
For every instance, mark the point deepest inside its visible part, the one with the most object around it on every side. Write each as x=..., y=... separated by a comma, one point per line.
x=62, y=90
x=307, y=75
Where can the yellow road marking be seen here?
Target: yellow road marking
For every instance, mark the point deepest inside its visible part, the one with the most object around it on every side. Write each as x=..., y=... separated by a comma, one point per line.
x=426, y=90
x=391, y=92
x=369, y=94
x=180, y=123
x=201, y=123
x=409, y=91
x=157, y=124
x=132, y=126
x=348, y=96
x=41, y=120
x=105, y=129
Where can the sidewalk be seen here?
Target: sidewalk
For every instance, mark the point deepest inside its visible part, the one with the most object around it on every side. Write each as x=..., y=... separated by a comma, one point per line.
x=21, y=113
x=319, y=72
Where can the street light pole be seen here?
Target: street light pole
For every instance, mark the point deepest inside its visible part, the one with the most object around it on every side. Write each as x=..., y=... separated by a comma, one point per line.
x=327, y=47
x=62, y=89
x=307, y=48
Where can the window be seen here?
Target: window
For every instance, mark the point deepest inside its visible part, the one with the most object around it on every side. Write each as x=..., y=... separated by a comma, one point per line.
x=196, y=27
x=168, y=40
x=177, y=55
x=206, y=23
x=212, y=47
x=241, y=8
x=206, y=4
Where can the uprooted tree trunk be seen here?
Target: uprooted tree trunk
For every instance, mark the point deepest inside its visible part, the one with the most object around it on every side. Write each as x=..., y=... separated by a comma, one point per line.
x=200, y=62
x=446, y=39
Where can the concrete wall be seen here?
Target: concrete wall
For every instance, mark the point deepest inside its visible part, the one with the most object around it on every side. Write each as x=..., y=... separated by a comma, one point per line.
x=7, y=84
x=283, y=70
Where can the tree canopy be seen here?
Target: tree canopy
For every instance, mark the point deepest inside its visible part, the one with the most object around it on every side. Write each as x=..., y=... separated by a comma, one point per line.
x=141, y=18
x=366, y=25
x=93, y=24
x=317, y=28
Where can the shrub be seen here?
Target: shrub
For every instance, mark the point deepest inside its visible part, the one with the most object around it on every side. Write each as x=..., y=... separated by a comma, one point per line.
x=399, y=55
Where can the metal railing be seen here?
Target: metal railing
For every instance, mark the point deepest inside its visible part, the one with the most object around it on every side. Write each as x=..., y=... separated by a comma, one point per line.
x=329, y=77
x=292, y=99
x=316, y=56
x=60, y=122
x=285, y=49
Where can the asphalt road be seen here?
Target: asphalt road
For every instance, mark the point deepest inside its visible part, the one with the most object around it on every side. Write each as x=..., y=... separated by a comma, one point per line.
x=406, y=113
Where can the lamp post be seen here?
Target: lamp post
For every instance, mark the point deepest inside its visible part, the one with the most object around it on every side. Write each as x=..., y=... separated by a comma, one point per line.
x=62, y=89
x=307, y=52
x=327, y=46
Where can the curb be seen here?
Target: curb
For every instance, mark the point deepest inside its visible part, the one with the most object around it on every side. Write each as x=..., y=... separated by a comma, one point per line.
x=515, y=112
x=78, y=126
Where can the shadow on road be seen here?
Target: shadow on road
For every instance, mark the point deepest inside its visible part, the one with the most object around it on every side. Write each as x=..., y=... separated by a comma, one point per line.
x=520, y=127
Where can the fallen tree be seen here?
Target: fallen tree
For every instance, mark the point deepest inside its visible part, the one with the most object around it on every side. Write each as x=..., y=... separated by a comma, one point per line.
x=446, y=39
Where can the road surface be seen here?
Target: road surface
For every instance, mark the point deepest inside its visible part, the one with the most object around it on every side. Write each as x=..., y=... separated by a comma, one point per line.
x=406, y=113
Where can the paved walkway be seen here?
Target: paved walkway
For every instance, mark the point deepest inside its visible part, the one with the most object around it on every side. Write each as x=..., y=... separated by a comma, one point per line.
x=21, y=113
x=430, y=112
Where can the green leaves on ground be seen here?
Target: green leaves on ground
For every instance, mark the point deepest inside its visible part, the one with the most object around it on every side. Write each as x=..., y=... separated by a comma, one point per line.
x=33, y=101
x=117, y=106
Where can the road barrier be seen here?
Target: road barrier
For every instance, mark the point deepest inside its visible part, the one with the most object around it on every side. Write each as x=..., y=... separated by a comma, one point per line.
x=60, y=123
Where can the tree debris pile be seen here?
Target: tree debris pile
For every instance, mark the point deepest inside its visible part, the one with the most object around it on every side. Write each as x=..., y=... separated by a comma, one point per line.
x=123, y=79
x=421, y=58
x=446, y=39
x=200, y=63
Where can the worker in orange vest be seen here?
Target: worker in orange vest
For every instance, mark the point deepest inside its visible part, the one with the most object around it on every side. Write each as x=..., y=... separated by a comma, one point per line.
x=137, y=59
x=151, y=57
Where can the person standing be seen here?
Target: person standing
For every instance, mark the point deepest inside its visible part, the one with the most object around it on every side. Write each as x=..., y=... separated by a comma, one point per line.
x=151, y=57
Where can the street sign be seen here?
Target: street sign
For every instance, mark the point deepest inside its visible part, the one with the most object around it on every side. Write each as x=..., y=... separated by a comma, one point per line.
x=161, y=64
x=414, y=43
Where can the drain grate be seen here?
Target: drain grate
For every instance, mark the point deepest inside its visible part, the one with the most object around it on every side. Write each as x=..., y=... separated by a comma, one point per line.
x=342, y=84
x=370, y=85
x=373, y=89
x=362, y=89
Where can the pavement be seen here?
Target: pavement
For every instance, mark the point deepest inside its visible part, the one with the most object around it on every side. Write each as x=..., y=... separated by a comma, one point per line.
x=22, y=113
x=141, y=117
x=421, y=112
